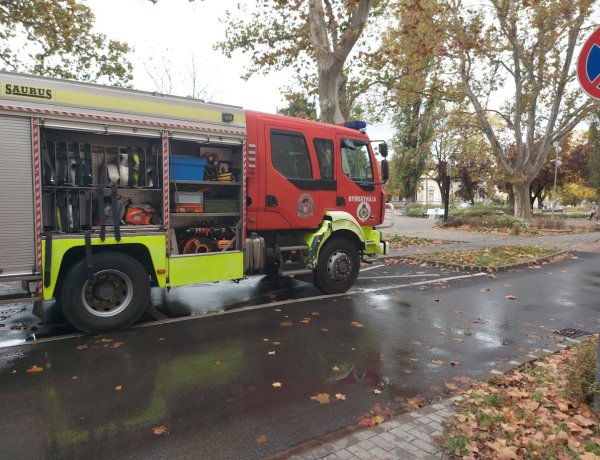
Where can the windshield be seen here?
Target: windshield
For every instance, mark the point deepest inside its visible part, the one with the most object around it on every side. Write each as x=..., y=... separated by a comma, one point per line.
x=356, y=161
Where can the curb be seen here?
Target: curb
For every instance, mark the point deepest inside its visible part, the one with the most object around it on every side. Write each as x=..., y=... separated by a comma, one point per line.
x=397, y=434
x=480, y=268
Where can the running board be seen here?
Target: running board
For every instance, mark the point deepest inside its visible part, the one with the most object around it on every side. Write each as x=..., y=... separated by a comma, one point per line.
x=301, y=271
x=18, y=297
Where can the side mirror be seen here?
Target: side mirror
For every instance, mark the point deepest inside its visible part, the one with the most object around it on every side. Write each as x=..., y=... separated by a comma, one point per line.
x=385, y=169
x=383, y=149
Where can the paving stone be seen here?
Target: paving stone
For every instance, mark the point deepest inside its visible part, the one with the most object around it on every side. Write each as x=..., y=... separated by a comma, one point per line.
x=345, y=454
x=427, y=446
x=387, y=436
x=436, y=426
x=362, y=435
x=414, y=450
x=420, y=435
x=359, y=452
x=379, y=453
x=331, y=457
x=383, y=443
x=437, y=418
x=366, y=444
x=424, y=427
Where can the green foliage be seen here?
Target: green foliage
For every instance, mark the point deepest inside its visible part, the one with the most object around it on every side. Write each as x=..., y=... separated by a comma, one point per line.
x=581, y=384
x=456, y=445
x=574, y=193
x=299, y=106
x=594, y=143
x=488, y=221
x=56, y=39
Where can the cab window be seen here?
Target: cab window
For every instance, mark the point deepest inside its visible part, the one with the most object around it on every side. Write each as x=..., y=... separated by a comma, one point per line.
x=356, y=161
x=324, y=149
x=289, y=154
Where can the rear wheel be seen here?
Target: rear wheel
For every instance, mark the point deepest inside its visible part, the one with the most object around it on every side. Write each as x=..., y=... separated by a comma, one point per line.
x=111, y=296
x=337, y=267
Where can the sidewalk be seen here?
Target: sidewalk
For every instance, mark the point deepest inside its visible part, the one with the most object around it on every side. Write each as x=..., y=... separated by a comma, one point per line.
x=416, y=435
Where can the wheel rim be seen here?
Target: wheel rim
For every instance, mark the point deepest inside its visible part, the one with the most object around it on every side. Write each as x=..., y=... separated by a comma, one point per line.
x=339, y=266
x=107, y=293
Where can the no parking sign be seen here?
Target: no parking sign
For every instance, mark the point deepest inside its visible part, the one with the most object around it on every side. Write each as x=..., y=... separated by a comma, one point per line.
x=588, y=65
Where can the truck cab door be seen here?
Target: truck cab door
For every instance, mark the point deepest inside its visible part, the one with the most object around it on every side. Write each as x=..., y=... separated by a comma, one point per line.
x=357, y=193
x=292, y=198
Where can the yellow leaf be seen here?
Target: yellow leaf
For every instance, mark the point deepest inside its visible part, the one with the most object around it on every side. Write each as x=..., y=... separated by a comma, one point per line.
x=271, y=353
x=305, y=320
x=510, y=297
x=322, y=398
x=316, y=313
x=324, y=330
x=158, y=430
x=262, y=439
x=357, y=325
x=118, y=387
x=276, y=384
x=35, y=369
x=376, y=391
x=437, y=362
x=335, y=369
x=218, y=363
x=276, y=343
x=340, y=397
x=74, y=377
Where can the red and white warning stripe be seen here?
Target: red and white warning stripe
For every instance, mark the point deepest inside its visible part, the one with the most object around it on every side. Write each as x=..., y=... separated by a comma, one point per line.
x=37, y=194
x=165, y=152
x=143, y=122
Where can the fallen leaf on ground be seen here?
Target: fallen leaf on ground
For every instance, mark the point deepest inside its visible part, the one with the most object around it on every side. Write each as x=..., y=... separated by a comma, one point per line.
x=305, y=320
x=437, y=362
x=276, y=384
x=510, y=297
x=74, y=377
x=35, y=369
x=316, y=313
x=376, y=391
x=271, y=353
x=370, y=421
x=118, y=387
x=262, y=439
x=158, y=430
x=335, y=369
x=457, y=340
x=265, y=340
x=479, y=320
x=81, y=347
x=458, y=312
x=484, y=290
x=322, y=398
x=340, y=397
x=276, y=343
x=218, y=363
x=454, y=363
x=357, y=325
x=160, y=339
x=286, y=324
x=324, y=329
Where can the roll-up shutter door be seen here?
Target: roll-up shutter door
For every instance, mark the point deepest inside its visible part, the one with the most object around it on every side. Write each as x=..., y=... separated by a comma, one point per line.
x=17, y=242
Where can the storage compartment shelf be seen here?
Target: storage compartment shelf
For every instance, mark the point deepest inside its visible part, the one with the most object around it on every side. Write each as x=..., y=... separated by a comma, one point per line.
x=203, y=182
x=205, y=214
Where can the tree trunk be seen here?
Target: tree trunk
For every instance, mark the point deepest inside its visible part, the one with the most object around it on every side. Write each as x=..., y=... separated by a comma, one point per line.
x=522, y=203
x=329, y=96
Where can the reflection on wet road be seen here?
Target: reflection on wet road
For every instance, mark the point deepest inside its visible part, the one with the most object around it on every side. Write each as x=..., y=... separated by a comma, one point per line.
x=209, y=380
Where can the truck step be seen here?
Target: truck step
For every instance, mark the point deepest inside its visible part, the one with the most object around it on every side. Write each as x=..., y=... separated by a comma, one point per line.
x=301, y=271
x=300, y=247
x=18, y=297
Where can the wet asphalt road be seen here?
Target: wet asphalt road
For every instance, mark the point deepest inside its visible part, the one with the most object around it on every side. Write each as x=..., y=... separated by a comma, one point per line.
x=208, y=379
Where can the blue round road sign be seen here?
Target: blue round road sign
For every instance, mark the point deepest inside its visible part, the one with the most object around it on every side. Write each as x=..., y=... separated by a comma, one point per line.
x=588, y=65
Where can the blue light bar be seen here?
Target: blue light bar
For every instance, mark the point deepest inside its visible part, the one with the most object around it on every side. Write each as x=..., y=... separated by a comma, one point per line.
x=358, y=125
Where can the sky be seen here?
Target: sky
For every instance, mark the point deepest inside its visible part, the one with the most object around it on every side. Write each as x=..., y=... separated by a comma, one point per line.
x=174, y=33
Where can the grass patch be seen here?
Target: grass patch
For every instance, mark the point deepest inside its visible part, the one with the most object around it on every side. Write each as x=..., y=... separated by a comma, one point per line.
x=531, y=412
x=399, y=242
x=492, y=257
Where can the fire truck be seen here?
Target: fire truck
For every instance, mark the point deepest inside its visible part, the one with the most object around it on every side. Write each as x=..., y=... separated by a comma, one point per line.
x=108, y=192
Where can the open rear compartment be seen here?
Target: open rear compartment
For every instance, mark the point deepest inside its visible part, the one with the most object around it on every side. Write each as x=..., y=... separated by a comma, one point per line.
x=206, y=195
x=91, y=181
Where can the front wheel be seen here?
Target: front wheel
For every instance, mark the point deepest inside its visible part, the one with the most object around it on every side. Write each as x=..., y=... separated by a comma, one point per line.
x=111, y=296
x=337, y=267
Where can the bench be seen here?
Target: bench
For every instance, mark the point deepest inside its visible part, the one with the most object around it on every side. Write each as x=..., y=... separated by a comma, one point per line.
x=549, y=211
x=435, y=212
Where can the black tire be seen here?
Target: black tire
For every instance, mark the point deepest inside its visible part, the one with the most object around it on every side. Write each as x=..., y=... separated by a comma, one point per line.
x=338, y=266
x=272, y=271
x=113, y=297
